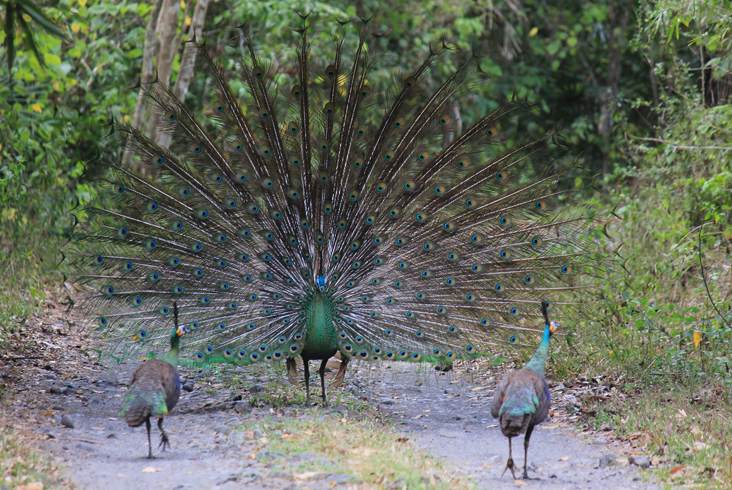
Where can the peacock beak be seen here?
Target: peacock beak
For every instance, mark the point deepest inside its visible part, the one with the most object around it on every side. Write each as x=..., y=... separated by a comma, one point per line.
x=553, y=327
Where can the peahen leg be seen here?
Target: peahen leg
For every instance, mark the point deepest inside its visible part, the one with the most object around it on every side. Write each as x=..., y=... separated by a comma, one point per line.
x=163, y=436
x=526, y=448
x=509, y=463
x=341, y=374
x=321, y=371
x=292, y=372
x=306, y=368
x=149, y=442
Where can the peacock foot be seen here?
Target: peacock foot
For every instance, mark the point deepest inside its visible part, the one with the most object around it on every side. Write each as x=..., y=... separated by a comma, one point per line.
x=164, y=441
x=509, y=466
x=292, y=372
x=339, y=377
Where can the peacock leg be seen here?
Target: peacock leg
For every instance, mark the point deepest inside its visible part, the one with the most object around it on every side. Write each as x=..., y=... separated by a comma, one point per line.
x=321, y=371
x=341, y=374
x=509, y=463
x=292, y=371
x=149, y=442
x=163, y=436
x=306, y=368
x=526, y=449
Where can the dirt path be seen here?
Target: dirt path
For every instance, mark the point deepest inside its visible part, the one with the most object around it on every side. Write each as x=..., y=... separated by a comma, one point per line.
x=449, y=415
x=443, y=415
x=56, y=380
x=209, y=448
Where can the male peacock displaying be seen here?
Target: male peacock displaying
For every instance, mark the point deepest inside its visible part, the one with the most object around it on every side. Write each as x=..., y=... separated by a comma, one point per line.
x=522, y=398
x=154, y=389
x=313, y=212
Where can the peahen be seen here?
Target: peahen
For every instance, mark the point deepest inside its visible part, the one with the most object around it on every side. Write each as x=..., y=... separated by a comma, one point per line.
x=314, y=212
x=154, y=389
x=522, y=398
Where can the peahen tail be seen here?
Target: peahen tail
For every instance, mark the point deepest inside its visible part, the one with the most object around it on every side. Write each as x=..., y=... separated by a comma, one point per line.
x=307, y=206
x=141, y=402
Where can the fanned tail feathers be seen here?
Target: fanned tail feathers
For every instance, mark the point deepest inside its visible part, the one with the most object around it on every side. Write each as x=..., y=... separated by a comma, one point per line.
x=427, y=251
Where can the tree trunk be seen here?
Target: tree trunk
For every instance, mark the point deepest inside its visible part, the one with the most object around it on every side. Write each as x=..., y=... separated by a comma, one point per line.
x=167, y=34
x=145, y=77
x=619, y=15
x=187, y=61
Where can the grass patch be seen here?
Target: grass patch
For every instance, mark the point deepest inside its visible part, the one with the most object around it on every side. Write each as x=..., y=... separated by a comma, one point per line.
x=367, y=450
x=687, y=429
x=345, y=439
x=22, y=467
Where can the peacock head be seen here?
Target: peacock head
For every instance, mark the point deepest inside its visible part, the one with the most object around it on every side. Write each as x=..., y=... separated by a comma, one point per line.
x=553, y=326
x=179, y=331
x=321, y=283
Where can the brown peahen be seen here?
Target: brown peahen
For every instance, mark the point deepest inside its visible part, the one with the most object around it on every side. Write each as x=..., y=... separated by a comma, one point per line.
x=307, y=211
x=154, y=389
x=522, y=398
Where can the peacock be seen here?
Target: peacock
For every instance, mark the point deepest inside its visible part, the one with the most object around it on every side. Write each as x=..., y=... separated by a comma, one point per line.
x=522, y=398
x=154, y=389
x=307, y=210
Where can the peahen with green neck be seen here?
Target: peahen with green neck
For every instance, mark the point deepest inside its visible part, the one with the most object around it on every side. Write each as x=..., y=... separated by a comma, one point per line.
x=154, y=389
x=522, y=398
x=314, y=212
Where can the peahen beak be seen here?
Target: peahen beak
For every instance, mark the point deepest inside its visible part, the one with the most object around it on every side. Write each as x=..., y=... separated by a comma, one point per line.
x=553, y=327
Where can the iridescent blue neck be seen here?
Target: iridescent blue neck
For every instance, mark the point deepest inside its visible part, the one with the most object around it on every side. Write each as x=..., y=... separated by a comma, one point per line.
x=172, y=356
x=538, y=362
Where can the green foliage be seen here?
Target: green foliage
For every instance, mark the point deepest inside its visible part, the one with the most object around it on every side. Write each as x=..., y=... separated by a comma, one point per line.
x=665, y=315
x=49, y=126
x=22, y=13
